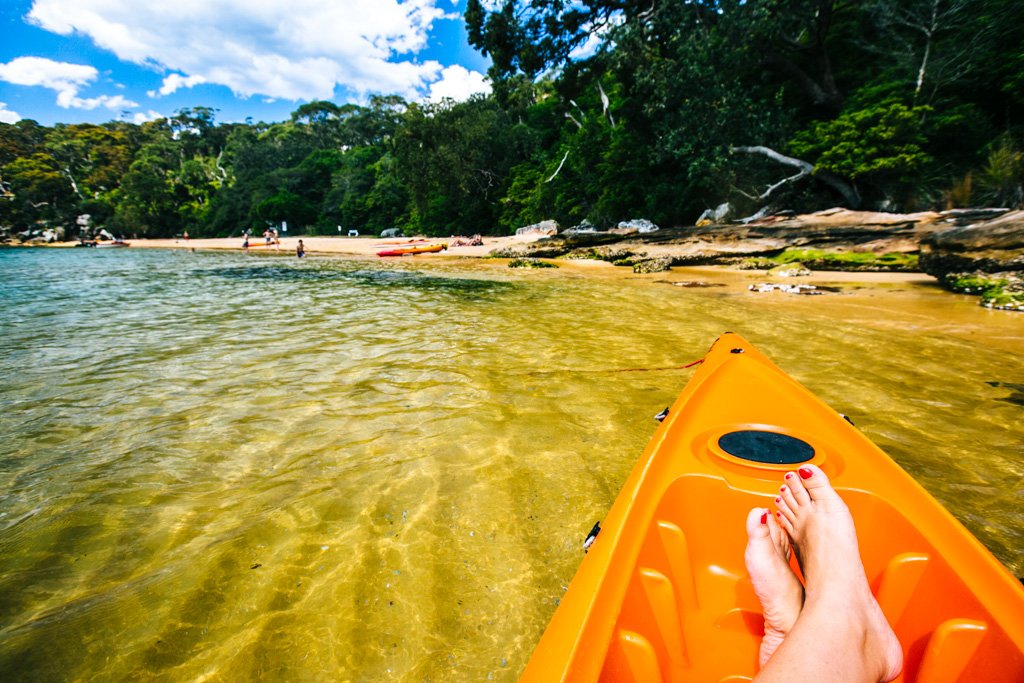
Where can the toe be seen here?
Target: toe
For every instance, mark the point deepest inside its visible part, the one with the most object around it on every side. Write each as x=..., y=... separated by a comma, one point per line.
x=784, y=521
x=814, y=481
x=779, y=536
x=786, y=494
x=799, y=493
x=788, y=513
x=757, y=523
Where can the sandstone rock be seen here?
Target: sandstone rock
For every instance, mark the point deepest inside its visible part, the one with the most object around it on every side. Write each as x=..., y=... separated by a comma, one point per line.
x=584, y=228
x=968, y=216
x=989, y=247
x=720, y=214
x=696, y=284
x=654, y=265
x=640, y=225
x=790, y=270
x=548, y=227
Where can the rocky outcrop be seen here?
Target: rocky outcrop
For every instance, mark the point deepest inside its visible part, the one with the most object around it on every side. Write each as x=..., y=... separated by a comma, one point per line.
x=42, y=235
x=530, y=263
x=994, y=246
x=584, y=227
x=543, y=228
x=978, y=251
x=833, y=229
x=790, y=270
x=637, y=225
x=716, y=216
x=653, y=265
x=985, y=259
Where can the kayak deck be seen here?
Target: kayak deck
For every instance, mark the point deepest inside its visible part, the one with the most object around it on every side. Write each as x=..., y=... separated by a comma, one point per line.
x=663, y=594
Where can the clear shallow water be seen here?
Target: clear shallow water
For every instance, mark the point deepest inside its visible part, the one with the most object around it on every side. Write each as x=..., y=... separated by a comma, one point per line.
x=228, y=467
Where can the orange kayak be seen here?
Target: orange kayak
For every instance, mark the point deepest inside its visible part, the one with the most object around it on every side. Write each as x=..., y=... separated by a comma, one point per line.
x=663, y=594
x=433, y=248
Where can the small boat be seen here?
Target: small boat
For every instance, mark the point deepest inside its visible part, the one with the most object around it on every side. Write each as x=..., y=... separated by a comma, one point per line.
x=112, y=245
x=663, y=594
x=431, y=249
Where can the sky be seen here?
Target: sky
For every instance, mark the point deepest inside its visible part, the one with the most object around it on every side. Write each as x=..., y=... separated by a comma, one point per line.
x=77, y=61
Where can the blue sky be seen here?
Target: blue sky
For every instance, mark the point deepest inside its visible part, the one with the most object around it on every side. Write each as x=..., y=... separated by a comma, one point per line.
x=74, y=61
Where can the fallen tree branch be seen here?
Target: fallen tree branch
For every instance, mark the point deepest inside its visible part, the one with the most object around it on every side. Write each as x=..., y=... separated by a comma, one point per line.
x=804, y=169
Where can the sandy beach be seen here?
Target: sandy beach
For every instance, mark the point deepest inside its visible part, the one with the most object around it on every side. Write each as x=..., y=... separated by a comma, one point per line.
x=353, y=246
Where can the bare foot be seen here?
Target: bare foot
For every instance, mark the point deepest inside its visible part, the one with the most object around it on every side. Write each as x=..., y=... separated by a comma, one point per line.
x=777, y=587
x=821, y=528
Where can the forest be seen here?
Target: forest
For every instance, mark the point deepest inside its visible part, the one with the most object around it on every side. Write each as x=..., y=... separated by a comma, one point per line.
x=600, y=110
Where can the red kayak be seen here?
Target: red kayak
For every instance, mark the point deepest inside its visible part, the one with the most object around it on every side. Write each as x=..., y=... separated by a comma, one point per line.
x=434, y=248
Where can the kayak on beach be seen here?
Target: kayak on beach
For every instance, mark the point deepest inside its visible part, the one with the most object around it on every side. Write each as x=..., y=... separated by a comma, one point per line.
x=663, y=593
x=433, y=248
x=112, y=245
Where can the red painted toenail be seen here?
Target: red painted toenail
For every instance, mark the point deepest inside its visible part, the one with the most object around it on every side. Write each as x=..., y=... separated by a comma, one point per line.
x=782, y=489
x=778, y=499
x=789, y=475
x=764, y=518
x=778, y=514
x=806, y=472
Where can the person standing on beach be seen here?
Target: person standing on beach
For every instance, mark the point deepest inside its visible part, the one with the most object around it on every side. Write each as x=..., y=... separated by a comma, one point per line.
x=300, y=250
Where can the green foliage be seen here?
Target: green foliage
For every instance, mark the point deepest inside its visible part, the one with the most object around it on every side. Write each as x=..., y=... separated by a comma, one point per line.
x=883, y=143
x=1002, y=176
x=636, y=115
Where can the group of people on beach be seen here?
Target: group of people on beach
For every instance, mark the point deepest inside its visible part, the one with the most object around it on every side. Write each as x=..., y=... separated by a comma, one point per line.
x=271, y=238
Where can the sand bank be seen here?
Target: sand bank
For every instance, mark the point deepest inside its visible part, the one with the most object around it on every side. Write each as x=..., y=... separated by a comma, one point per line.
x=353, y=246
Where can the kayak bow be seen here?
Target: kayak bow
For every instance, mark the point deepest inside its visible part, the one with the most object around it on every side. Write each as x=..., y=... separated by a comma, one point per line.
x=663, y=594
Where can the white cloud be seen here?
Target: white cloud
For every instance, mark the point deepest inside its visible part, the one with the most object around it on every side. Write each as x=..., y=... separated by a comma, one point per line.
x=141, y=117
x=8, y=116
x=458, y=83
x=300, y=49
x=175, y=81
x=64, y=78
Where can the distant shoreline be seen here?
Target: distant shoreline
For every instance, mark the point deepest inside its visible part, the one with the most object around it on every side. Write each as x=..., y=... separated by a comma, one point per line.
x=368, y=247
x=314, y=244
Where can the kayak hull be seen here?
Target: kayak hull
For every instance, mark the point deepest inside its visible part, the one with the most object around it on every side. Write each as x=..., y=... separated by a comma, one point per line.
x=412, y=251
x=663, y=594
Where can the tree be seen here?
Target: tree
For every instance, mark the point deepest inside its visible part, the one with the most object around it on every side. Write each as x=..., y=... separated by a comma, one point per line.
x=882, y=146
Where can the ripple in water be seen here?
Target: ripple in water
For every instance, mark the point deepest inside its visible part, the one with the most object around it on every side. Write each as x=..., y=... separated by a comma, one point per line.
x=237, y=467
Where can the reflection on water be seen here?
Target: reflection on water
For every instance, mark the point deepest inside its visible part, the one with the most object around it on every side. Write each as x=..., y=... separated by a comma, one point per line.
x=234, y=467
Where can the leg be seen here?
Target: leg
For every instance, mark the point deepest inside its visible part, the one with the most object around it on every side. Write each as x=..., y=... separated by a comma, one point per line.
x=780, y=592
x=841, y=633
